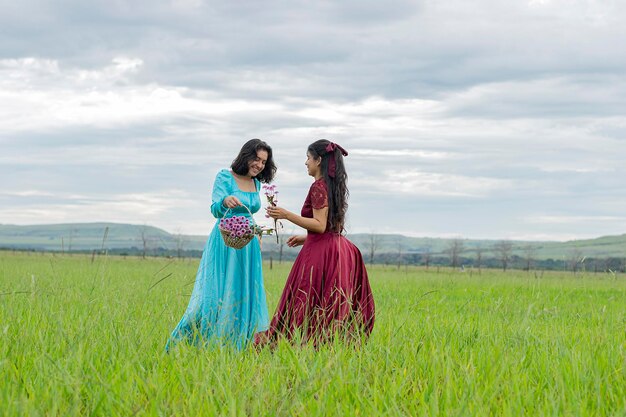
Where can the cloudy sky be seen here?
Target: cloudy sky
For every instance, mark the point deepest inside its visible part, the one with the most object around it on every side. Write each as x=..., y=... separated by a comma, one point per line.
x=476, y=119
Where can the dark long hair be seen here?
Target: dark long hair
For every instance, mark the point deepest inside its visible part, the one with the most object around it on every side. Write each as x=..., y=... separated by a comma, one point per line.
x=248, y=153
x=337, y=187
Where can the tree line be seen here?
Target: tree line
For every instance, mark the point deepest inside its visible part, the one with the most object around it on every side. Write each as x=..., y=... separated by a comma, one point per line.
x=499, y=255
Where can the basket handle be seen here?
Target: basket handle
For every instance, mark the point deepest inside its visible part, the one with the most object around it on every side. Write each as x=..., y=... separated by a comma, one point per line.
x=244, y=206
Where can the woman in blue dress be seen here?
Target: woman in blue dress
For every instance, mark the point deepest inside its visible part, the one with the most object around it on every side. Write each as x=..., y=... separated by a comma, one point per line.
x=228, y=302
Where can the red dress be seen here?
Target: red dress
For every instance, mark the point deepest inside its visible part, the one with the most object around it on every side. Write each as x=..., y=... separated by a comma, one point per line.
x=327, y=291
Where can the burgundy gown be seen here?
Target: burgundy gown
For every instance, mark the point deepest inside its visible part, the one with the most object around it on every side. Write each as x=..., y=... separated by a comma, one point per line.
x=327, y=292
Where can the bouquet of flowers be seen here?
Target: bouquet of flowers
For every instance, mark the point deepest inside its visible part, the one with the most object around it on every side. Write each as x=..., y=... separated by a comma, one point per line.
x=270, y=193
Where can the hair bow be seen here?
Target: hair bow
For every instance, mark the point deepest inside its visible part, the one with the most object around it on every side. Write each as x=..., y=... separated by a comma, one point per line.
x=331, y=163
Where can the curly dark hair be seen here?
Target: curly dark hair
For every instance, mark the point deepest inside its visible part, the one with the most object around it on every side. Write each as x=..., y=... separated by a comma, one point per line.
x=337, y=187
x=248, y=153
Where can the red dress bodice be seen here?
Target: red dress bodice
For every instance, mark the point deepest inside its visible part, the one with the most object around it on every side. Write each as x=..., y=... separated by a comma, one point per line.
x=317, y=198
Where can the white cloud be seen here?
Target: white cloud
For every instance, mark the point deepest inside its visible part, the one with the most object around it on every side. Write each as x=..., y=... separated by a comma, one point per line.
x=419, y=184
x=575, y=219
x=97, y=99
x=36, y=207
x=414, y=153
x=554, y=97
x=26, y=193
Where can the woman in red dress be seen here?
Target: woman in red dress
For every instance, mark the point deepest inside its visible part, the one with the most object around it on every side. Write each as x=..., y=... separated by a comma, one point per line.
x=327, y=293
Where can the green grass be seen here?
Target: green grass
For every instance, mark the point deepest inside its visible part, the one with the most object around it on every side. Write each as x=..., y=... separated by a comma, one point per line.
x=83, y=338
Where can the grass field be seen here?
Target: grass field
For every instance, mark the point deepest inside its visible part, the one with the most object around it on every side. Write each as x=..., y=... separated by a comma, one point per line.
x=86, y=338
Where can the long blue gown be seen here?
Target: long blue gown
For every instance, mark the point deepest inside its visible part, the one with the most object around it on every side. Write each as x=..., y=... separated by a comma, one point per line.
x=228, y=302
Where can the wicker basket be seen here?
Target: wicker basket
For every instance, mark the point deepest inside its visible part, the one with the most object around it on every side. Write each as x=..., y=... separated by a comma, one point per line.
x=237, y=242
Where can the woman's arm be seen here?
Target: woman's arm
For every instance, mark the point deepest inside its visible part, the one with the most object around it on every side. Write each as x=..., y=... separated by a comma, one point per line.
x=221, y=200
x=317, y=224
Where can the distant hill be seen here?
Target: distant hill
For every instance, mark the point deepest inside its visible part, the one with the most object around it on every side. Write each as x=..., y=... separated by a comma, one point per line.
x=90, y=236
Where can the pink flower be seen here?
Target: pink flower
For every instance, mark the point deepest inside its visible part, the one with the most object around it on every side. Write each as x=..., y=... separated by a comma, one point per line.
x=270, y=193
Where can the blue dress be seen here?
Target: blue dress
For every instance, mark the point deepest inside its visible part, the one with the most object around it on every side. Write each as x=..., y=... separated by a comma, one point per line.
x=228, y=302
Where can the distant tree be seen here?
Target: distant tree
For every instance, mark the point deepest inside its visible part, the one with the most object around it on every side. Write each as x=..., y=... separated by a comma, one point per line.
x=427, y=256
x=399, y=242
x=596, y=261
x=180, y=243
x=144, y=241
x=455, y=247
x=372, y=245
x=503, y=249
x=529, y=255
x=479, y=257
x=575, y=259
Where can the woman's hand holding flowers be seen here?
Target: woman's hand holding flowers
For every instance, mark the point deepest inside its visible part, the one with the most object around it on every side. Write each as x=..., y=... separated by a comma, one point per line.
x=276, y=212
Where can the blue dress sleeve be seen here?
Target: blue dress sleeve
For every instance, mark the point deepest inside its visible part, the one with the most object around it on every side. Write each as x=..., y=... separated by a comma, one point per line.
x=221, y=190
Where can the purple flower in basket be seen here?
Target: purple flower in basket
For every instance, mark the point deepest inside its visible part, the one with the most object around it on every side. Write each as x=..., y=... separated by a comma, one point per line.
x=238, y=226
x=237, y=231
